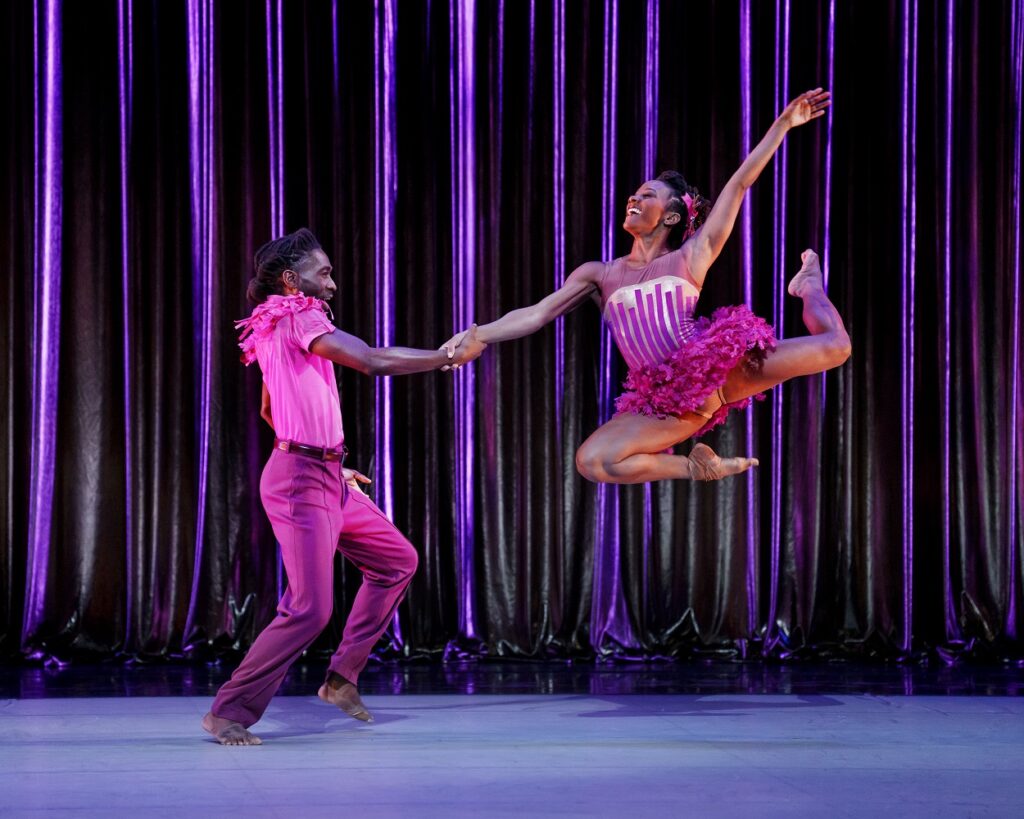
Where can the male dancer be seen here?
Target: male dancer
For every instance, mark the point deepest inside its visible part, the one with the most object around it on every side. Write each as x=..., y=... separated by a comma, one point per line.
x=305, y=490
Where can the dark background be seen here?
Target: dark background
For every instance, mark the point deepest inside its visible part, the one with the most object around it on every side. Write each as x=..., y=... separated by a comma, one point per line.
x=886, y=513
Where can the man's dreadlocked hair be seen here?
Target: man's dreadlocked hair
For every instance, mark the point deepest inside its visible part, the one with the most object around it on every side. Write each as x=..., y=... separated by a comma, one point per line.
x=275, y=257
x=698, y=212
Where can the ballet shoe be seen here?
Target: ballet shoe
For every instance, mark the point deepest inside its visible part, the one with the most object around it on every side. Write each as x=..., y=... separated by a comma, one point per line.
x=705, y=465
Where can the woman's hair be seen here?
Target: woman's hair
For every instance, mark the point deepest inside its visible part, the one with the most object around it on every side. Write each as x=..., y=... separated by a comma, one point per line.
x=275, y=257
x=693, y=216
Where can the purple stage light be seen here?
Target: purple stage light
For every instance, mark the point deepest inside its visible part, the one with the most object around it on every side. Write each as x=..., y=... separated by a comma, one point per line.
x=782, y=17
x=608, y=617
x=384, y=240
x=275, y=125
x=1016, y=401
x=747, y=233
x=386, y=193
x=46, y=236
x=275, y=113
x=601, y=608
x=649, y=158
x=952, y=628
x=124, y=87
x=827, y=248
x=651, y=90
x=462, y=87
x=200, y=30
x=531, y=85
x=909, y=262
x=826, y=261
x=558, y=182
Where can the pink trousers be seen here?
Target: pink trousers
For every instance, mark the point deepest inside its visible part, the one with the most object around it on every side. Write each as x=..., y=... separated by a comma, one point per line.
x=313, y=513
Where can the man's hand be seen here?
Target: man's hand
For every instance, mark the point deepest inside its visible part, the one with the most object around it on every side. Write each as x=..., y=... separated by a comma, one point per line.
x=354, y=478
x=809, y=105
x=468, y=349
x=450, y=346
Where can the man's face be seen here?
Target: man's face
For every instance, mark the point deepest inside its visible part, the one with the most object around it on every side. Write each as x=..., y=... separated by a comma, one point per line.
x=312, y=276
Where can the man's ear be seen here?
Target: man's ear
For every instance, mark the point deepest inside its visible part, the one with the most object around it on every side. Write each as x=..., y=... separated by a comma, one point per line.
x=290, y=278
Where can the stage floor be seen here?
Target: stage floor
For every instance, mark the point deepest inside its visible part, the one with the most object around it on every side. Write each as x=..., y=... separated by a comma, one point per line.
x=521, y=755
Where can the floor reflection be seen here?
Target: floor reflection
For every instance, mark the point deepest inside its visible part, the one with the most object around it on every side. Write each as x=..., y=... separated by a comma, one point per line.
x=37, y=680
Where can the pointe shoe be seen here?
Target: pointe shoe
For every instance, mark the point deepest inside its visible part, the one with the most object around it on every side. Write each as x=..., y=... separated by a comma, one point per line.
x=347, y=699
x=705, y=465
x=808, y=276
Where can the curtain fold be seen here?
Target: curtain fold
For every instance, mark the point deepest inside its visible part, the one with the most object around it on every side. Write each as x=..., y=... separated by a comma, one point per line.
x=458, y=159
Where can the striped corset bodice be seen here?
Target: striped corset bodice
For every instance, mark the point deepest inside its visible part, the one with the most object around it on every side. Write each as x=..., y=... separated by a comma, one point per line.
x=651, y=320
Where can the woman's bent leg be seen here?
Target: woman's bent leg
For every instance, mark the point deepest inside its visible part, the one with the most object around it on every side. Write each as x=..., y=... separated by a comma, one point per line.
x=631, y=449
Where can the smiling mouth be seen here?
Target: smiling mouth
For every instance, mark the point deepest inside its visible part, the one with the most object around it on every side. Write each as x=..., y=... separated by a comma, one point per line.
x=633, y=210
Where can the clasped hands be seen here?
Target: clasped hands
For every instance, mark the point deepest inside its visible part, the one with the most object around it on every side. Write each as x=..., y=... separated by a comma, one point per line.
x=462, y=348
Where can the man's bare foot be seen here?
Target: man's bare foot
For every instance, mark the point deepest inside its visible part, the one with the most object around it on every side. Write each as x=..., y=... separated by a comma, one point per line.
x=227, y=732
x=808, y=278
x=340, y=692
x=705, y=465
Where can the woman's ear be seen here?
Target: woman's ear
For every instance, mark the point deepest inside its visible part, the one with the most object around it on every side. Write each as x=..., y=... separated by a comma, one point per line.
x=672, y=218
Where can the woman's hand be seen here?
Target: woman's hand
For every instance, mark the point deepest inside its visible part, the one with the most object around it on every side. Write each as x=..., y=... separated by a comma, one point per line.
x=809, y=105
x=469, y=348
x=450, y=346
x=353, y=479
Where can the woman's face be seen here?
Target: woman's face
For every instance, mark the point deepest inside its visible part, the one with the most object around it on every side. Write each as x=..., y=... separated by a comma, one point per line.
x=648, y=208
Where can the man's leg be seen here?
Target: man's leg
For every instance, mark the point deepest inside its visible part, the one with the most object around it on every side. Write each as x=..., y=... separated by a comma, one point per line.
x=302, y=498
x=388, y=562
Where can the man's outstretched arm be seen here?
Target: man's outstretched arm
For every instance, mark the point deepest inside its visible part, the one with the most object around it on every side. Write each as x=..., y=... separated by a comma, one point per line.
x=349, y=351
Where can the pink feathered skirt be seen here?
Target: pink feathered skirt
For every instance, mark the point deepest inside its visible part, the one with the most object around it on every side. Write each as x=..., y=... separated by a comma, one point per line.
x=684, y=381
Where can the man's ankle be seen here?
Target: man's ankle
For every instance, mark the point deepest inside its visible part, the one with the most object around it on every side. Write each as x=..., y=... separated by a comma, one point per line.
x=336, y=681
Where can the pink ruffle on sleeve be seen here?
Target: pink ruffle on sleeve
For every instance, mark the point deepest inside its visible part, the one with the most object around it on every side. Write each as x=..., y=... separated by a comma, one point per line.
x=264, y=319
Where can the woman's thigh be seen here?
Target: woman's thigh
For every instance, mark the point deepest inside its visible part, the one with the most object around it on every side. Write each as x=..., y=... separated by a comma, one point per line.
x=792, y=357
x=628, y=434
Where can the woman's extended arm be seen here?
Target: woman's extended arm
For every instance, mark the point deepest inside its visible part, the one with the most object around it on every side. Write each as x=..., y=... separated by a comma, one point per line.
x=706, y=244
x=578, y=287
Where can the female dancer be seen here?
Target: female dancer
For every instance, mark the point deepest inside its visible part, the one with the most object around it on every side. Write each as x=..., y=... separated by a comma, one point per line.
x=685, y=374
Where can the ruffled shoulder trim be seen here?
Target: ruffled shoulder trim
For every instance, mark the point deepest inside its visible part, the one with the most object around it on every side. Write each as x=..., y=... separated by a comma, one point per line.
x=265, y=317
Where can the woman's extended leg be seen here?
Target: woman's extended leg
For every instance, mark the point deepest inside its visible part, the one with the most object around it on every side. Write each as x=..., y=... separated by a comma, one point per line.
x=828, y=345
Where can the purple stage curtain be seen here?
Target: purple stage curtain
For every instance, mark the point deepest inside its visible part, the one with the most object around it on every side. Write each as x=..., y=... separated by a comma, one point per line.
x=458, y=158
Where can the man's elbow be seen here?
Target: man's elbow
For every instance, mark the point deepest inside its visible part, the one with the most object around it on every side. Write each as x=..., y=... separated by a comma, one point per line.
x=374, y=364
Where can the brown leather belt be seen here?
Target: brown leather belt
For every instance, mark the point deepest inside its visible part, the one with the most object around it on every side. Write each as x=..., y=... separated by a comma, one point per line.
x=321, y=453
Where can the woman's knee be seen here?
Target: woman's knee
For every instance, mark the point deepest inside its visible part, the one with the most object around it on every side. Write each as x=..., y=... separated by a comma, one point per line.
x=592, y=463
x=838, y=348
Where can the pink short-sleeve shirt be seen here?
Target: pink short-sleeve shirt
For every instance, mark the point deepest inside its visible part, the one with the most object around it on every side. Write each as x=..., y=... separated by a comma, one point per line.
x=304, y=398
